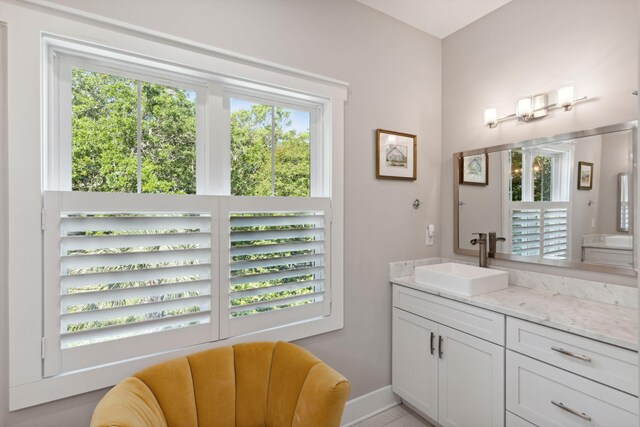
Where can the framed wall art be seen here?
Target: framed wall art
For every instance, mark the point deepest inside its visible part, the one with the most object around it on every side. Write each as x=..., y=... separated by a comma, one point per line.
x=585, y=176
x=395, y=155
x=474, y=169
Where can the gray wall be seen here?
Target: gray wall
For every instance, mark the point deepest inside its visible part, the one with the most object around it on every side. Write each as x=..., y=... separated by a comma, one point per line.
x=616, y=158
x=584, y=217
x=394, y=73
x=528, y=47
x=482, y=209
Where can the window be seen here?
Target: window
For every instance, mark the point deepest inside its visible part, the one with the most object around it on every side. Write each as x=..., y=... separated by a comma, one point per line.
x=129, y=271
x=131, y=136
x=125, y=128
x=537, y=201
x=270, y=150
x=151, y=246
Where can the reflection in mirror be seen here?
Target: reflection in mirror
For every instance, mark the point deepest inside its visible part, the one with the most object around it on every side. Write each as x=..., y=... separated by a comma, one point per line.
x=623, y=202
x=549, y=209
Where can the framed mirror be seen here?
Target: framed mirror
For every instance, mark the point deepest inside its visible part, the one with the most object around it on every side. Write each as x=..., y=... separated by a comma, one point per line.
x=565, y=200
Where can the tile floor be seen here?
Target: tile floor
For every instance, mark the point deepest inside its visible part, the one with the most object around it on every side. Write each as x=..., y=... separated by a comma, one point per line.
x=398, y=416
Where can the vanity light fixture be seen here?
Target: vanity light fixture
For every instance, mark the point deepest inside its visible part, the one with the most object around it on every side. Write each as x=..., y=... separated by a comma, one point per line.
x=534, y=107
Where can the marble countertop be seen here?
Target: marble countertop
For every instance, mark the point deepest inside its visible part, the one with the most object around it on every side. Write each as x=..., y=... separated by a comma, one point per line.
x=608, y=323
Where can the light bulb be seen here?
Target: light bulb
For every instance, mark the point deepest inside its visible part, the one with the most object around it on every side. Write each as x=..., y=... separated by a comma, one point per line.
x=524, y=108
x=491, y=117
x=566, y=97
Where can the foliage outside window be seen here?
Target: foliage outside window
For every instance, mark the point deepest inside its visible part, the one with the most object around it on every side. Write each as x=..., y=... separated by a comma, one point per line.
x=270, y=150
x=132, y=136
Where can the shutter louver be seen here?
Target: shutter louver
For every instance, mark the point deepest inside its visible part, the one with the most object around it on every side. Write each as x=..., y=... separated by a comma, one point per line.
x=164, y=271
x=280, y=272
x=278, y=262
x=124, y=273
x=555, y=234
x=525, y=232
x=539, y=231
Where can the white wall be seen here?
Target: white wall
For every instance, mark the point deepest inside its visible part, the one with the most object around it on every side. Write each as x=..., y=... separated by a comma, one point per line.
x=394, y=73
x=527, y=47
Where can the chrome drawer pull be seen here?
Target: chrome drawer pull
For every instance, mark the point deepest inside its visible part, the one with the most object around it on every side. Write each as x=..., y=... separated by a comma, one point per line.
x=571, y=411
x=569, y=353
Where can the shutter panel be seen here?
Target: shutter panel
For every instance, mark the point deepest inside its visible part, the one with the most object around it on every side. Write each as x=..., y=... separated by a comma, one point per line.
x=540, y=231
x=278, y=262
x=525, y=232
x=114, y=271
x=555, y=234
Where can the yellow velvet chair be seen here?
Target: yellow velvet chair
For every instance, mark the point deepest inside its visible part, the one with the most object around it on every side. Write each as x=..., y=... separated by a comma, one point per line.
x=257, y=384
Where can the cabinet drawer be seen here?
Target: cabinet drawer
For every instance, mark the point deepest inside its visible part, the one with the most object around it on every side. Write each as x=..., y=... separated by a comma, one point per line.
x=608, y=256
x=475, y=321
x=548, y=396
x=601, y=362
x=515, y=421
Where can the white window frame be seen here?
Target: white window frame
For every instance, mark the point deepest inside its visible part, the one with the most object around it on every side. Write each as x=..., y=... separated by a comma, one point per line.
x=315, y=130
x=562, y=160
x=33, y=36
x=59, y=164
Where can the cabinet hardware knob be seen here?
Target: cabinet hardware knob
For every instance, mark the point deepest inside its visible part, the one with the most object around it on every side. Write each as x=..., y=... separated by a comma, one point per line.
x=571, y=411
x=572, y=354
x=431, y=343
x=440, y=352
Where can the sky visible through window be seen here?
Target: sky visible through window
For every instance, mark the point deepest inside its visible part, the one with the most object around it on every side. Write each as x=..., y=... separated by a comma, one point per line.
x=299, y=119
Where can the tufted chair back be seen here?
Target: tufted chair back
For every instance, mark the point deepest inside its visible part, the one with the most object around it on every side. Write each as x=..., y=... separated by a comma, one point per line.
x=257, y=384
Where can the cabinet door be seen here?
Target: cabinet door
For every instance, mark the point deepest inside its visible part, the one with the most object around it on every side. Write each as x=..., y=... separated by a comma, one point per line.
x=415, y=365
x=471, y=381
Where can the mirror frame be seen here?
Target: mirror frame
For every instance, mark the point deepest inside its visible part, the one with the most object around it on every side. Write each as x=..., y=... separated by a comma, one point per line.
x=627, y=271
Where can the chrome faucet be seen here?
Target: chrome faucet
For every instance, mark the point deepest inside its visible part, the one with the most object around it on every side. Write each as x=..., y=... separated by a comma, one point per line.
x=492, y=243
x=481, y=241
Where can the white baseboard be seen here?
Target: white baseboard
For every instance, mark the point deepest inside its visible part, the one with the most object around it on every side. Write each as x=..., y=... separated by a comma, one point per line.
x=368, y=405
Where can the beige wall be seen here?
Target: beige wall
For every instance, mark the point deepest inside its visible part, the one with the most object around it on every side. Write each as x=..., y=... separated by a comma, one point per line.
x=394, y=73
x=532, y=46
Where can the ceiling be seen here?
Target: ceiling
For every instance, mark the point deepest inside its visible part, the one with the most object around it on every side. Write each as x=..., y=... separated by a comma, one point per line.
x=436, y=17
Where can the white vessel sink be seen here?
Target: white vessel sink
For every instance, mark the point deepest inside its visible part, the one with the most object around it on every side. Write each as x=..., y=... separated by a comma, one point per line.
x=620, y=241
x=461, y=278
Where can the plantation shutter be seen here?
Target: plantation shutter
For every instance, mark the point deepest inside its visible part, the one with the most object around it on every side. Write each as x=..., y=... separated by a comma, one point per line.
x=525, y=232
x=539, y=231
x=555, y=232
x=277, y=269
x=126, y=275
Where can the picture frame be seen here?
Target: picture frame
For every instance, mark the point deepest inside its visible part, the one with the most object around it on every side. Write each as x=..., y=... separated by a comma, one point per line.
x=585, y=176
x=474, y=169
x=396, y=155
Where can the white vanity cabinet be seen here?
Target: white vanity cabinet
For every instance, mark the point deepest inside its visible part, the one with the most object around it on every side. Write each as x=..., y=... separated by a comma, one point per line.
x=554, y=378
x=448, y=359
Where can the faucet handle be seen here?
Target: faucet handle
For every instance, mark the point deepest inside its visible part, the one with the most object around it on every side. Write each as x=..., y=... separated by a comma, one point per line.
x=494, y=237
x=481, y=236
